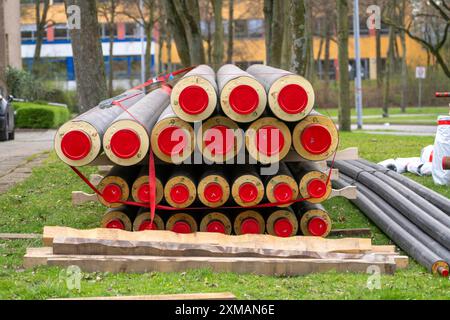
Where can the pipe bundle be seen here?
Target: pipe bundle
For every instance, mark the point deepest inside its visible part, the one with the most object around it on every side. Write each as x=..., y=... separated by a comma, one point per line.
x=214, y=135
x=416, y=218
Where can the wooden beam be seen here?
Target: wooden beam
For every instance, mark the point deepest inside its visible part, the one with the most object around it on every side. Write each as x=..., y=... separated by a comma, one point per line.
x=256, y=242
x=185, y=296
x=19, y=236
x=266, y=266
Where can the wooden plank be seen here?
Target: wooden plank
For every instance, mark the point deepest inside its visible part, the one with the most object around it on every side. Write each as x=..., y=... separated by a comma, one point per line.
x=259, y=266
x=257, y=242
x=387, y=248
x=349, y=192
x=19, y=236
x=83, y=246
x=357, y=232
x=185, y=296
x=342, y=155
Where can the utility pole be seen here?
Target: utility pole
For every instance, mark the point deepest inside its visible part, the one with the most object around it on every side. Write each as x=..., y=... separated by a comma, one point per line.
x=142, y=33
x=358, y=82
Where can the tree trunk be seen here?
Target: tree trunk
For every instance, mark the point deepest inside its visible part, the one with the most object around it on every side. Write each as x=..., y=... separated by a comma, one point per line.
x=148, y=47
x=268, y=17
x=88, y=56
x=404, y=100
x=178, y=32
x=311, y=70
x=389, y=68
x=344, y=83
x=277, y=34
x=218, y=34
x=169, y=51
x=379, y=61
x=41, y=23
x=300, y=51
x=230, y=32
x=287, y=38
x=112, y=26
x=162, y=39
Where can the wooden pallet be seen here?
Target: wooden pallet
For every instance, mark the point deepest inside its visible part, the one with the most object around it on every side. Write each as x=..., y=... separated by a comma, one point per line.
x=106, y=250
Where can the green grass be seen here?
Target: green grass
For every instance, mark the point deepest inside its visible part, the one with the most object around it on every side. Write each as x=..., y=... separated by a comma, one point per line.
x=413, y=115
x=44, y=199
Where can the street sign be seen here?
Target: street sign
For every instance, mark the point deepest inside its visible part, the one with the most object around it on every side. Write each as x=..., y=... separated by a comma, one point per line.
x=421, y=72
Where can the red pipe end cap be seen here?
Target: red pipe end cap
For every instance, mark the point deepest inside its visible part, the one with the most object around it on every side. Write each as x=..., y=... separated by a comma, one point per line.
x=181, y=227
x=250, y=226
x=269, y=140
x=219, y=140
x=293, y=99
x=193, y=100
x=143, y=193
x=283, y=228
x=316, y=139
x=125, y=143
x=172, y=141
x=112, y=193
x=282, y=192
x=146, y=225
x=179, y=194
x=248, y=192
x=244, y=99
x=115, y=224
x=213, y=192
x=316, y=188
x=76, y=145
x=216, y=226
x=317, y=227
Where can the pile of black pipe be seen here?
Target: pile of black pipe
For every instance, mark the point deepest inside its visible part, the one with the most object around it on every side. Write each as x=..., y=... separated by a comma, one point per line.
x=414, y=217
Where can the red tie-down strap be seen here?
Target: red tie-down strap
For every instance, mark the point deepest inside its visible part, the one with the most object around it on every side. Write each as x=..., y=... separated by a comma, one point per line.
x=152, y=171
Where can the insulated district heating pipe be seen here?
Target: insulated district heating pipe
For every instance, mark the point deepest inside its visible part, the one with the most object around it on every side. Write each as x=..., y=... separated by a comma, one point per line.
x=426, y=206
x=194, y=97
x=180, y=190
x=313, y=184
x=79, y=141
x=126, y=141
x=213, y=189
x=408, y=242
x=314, y=219
x=291, y=97
x=282, y=223
x=119, y=218
x=247, y=188
x=316, y=137
x=431, y=226
x=143, y=221
x=172, y=139
x=115, y=186
x=216, y=222
x=432, y=196
x=242, y=98
x=140, y=191
x=268, y=140
x=220, y=139
x=281, y=187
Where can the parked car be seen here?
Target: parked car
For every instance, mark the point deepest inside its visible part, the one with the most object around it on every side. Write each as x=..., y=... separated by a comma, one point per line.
x=6, y=119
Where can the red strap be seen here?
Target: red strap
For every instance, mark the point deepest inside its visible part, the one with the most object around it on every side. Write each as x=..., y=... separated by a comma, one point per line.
x=444, y=122
x=152, y=185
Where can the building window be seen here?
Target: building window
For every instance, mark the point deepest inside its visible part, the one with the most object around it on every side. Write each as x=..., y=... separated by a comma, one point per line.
x=255, y=28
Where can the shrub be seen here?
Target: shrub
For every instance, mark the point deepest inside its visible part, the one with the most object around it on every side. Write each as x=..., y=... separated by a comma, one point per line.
x=36, y=116
x=23, y=84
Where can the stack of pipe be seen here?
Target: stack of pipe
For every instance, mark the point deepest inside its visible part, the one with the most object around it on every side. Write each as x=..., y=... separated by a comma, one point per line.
x=257, y=116
x=416, y=218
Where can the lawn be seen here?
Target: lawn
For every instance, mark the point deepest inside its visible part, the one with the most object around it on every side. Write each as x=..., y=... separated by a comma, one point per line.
x=412, y=116
x=44, y=199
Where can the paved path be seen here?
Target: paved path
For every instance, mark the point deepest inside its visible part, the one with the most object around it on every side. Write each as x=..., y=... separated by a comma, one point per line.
x=399, y=130
x=15, y=156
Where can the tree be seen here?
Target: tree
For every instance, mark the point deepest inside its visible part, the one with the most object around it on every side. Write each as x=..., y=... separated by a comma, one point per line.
x=146, y=17
x=88, y=56
x=108, y=10
x=429, y=25
x=41, y=25
x=218, y=47
x=274, y=22
x=183, y=16
x=230, y=31
x=344, y=82
x=299, y=46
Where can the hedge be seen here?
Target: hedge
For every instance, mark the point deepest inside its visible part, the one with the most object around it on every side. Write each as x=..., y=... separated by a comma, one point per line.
x=37, y=116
